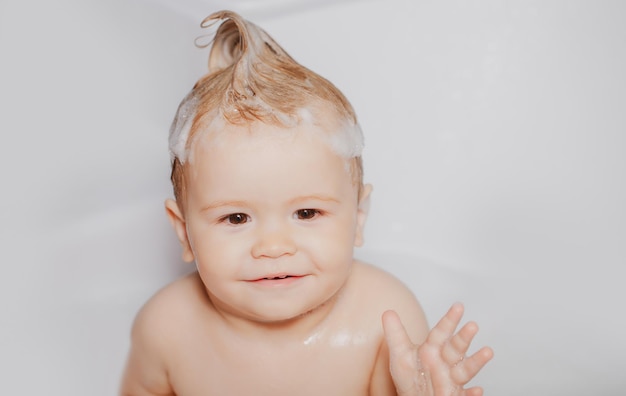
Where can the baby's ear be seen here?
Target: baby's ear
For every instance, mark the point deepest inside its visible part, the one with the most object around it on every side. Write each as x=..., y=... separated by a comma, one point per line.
x=180, y=227
x=362, y=212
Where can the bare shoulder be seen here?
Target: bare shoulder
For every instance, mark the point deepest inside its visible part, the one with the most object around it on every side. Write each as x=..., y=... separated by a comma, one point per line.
x=382, y=291
x=174, y=302
x=155, y=334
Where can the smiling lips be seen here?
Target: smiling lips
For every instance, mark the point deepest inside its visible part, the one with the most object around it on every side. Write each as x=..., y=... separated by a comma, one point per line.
x=277, y=280
x=278, y=277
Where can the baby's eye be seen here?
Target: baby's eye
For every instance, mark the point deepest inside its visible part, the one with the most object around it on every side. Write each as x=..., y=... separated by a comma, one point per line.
x=306, y=214
x=236, y=218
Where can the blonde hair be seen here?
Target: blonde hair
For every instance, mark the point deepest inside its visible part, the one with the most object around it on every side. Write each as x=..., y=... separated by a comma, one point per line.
x=251, y=78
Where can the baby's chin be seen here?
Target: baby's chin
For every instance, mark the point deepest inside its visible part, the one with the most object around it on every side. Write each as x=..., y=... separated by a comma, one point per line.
x=286, y=315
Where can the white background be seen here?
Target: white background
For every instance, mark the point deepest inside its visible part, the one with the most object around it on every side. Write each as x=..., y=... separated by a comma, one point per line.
x=496, y=142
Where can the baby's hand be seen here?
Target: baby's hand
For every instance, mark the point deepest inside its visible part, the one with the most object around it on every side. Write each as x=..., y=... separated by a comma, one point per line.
x=439, y=366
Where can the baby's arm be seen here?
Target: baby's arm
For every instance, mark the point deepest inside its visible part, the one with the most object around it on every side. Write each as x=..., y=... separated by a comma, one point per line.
x=439, y=365
x=145, y=373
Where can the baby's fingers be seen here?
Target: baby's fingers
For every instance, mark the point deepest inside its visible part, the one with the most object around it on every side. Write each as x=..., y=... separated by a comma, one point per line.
x=403, y=361
x=475, y=391
x=463, y=372
x=398, y=340
x=444, y=329
x=454, y=350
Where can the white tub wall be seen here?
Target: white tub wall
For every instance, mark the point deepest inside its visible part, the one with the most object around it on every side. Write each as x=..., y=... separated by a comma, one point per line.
x=495, y=141
x=88, y=91
x=503, y=128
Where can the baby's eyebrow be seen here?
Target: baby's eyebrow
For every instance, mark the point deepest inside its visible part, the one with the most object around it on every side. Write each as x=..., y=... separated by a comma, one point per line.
x=304, y=198
x=219, y=204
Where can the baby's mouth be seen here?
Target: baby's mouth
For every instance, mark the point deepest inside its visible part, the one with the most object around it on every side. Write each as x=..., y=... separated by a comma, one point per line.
x=278, y=277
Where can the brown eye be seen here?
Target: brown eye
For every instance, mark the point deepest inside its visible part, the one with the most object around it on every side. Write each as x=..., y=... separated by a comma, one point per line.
x=237, y=218
x=306, y=214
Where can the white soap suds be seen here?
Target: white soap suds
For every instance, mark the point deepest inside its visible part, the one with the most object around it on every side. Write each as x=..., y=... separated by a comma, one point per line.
x=344, y=138
x=181, y=126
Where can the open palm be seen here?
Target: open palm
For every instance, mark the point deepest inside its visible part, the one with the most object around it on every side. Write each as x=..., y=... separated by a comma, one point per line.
x=438, y=367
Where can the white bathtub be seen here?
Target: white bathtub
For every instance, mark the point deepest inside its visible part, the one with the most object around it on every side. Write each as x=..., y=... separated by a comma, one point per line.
x=495, y=140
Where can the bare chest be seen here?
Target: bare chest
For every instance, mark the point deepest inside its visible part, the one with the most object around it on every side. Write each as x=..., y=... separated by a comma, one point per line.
x=339, y=368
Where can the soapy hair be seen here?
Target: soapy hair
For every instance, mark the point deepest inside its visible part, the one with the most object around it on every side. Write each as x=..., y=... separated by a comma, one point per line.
x=251, y=78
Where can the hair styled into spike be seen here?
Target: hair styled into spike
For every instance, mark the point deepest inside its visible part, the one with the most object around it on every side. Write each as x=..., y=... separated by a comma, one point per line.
x=251, y=78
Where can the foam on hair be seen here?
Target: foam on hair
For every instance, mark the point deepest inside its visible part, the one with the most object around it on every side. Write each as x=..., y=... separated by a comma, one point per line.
x=251, y=78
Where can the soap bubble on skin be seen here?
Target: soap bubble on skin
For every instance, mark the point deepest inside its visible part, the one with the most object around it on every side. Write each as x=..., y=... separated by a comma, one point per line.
x=344, y=138
x=348, y=141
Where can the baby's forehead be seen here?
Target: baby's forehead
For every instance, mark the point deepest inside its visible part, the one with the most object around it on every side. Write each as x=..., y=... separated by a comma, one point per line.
x=262, y=150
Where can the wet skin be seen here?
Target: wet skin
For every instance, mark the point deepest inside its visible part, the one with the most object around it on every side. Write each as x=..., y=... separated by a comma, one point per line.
x=278, y=305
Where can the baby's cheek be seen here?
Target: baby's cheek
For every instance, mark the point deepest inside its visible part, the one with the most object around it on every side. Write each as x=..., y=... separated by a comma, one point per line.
x=335, y=250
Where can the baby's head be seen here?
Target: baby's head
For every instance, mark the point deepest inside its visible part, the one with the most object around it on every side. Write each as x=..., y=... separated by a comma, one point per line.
x=252, y=81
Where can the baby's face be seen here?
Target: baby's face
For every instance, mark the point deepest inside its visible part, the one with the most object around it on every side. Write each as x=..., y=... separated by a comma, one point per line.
x=272, y=218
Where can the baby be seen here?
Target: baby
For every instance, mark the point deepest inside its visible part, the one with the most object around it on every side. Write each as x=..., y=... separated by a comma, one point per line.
x=270, y=203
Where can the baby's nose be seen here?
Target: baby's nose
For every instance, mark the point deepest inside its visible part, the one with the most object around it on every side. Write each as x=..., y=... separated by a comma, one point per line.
x=274, y=242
